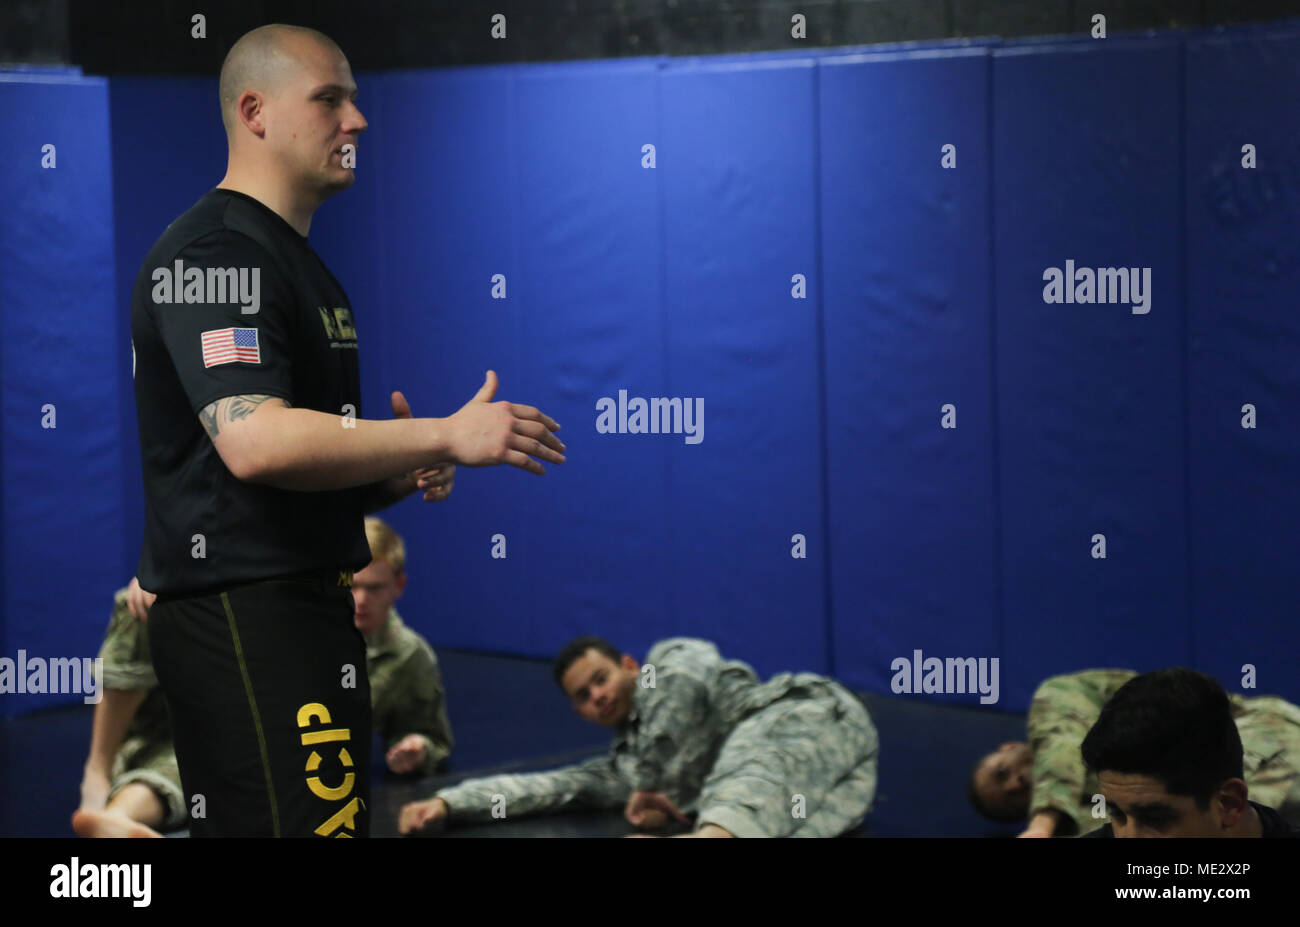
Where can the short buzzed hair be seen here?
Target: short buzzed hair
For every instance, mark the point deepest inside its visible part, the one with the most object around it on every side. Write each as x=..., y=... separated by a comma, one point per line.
x=260, y=60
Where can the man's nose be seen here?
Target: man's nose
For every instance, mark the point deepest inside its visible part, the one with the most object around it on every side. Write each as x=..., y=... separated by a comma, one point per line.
x=354, y=121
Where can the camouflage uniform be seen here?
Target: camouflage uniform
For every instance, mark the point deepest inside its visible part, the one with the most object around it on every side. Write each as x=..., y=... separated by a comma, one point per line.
x=795, y=756
x=406, y=691
x=1066, y=707
x=146, y=754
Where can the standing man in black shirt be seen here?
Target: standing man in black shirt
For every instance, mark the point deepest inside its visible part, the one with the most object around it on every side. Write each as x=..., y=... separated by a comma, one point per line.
x=259, y=470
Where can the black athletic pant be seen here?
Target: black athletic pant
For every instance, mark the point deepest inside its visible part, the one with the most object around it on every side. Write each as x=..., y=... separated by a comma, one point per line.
x=270, y=707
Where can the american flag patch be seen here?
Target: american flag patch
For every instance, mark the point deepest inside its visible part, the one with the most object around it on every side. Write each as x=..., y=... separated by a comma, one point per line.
x=231, y=346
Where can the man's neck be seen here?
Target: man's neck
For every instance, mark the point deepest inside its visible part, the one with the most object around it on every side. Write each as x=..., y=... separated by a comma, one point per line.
x=1249, y=825
x=380, y=634
x=275, y=196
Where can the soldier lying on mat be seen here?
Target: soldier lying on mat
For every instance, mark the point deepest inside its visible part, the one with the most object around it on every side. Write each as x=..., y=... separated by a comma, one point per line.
x=1046, y=779
x=131, y=785
x=695, y=736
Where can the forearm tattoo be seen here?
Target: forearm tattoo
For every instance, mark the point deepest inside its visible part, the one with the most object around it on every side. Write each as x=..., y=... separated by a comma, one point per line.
x=232, y=409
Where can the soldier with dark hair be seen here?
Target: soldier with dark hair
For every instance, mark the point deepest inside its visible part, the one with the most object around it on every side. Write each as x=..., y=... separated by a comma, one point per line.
x=1168, y=758
x=1046, y=781
x=697, y=739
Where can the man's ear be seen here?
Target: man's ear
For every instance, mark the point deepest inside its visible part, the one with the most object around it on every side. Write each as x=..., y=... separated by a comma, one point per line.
x=1232, y=798
x=629, y=663
x=401, y=584
x=248, y=109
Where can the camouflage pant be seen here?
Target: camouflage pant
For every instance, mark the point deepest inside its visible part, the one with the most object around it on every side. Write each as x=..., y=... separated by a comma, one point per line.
x=801, y=767
x=152, y=763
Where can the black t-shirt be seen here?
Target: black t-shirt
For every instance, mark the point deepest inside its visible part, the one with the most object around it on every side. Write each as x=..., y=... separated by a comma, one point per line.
x=1273, y=824
x=232, y=301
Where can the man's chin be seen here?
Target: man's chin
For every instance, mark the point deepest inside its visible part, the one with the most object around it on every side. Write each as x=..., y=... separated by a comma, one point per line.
x=336, y=181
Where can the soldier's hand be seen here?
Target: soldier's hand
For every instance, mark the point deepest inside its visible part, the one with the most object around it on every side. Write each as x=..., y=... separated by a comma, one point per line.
x=484, y=433
x=138, y=600
x=430, y=815
x=1040, y=825
x=651, y=810
x=406, y=755
x=435, y=481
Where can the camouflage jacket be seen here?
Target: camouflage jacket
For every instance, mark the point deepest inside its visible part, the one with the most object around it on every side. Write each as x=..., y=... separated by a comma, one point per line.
x=406, y=691
x=667, y=744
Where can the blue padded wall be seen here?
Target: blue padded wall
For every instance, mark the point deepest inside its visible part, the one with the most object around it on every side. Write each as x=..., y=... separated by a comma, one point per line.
x=908, y=330
x=61, y=486
x=586, y=318
x=534, y=175
x=1243, y=273
x=739, y=175
x=1090, y=396
x=924, y=286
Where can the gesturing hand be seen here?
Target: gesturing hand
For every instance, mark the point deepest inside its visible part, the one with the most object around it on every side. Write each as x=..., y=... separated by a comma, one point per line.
x=485, y=433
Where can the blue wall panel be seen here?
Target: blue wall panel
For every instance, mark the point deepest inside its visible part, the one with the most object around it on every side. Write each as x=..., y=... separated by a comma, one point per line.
x=452, y=232
x=1243, y=272
x=587, y=309
x=1090, y=397
x=62, y=486
x=535, y=188
x=737, y=152
x=543, y=185
x=905, y=257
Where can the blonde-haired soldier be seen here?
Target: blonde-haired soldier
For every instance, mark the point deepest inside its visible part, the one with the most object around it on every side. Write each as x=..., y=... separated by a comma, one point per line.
x=410, y=705
x=131, y=786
